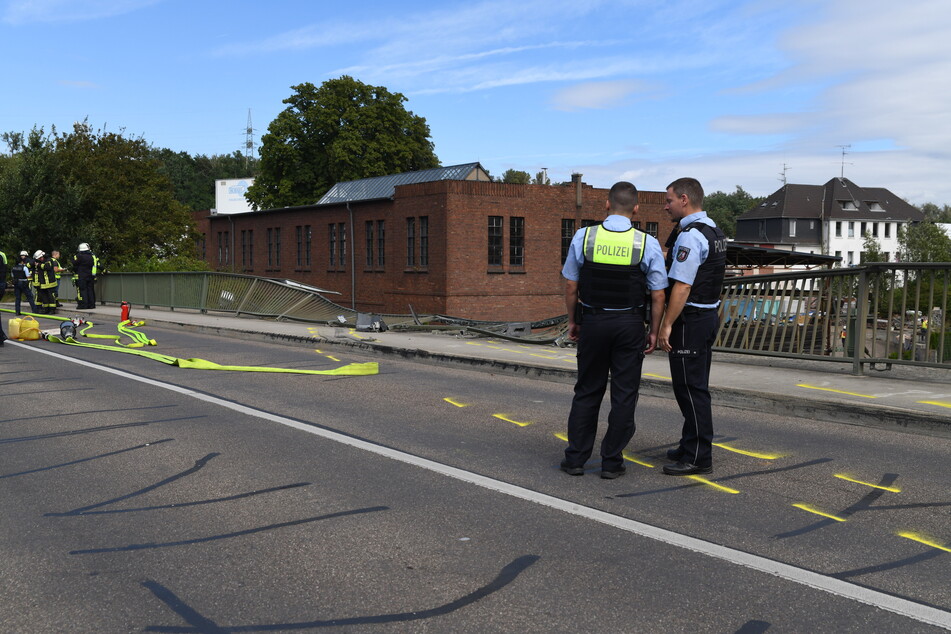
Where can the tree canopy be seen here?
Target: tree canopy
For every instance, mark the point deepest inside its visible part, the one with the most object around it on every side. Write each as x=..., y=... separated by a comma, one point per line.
x=57, y=190
x=341, y=131
x=726, y=208
x=516, y=176
x=923, y=242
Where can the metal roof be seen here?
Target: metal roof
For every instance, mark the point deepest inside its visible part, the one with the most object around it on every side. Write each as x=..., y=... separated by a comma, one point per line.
x=379, y=187
x=742, y=255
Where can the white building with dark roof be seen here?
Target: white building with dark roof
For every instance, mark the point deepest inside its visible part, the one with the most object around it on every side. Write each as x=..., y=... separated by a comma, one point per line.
x=831, y=219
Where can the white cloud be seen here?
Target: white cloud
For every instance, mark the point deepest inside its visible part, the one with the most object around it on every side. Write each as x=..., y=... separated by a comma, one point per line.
x=758, y=124
x=29, y=11
x=597, y=95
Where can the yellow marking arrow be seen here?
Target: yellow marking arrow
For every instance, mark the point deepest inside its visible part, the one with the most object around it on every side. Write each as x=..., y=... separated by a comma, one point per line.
x=473, y=343
x=561, y=436
x=719, y=487
x=637, y=461
x=452, y=402
x=829, y=389
x=809, y=509
x=764, y=456
x=509, y=420
x=938, y=403
x=921, y=539
x=842, y=476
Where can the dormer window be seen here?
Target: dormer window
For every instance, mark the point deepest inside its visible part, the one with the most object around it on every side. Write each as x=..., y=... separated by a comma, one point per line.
x=875, y=206
x=849, y=205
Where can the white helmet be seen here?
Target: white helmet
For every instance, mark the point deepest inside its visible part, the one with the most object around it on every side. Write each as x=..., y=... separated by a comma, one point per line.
x=22, y=253
x=38, y=255
x=83, y=246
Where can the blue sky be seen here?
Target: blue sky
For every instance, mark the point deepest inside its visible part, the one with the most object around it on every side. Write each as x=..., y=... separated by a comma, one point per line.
x=729, y=92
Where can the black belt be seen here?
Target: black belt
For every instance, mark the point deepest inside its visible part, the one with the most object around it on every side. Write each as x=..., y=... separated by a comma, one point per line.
x=591, y=310
x=695, y=309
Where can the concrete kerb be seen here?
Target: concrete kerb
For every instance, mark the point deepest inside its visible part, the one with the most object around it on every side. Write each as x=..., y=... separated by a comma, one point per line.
x=834, y=411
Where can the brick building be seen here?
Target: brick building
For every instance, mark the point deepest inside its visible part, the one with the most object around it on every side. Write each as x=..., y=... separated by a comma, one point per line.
x=443, y=241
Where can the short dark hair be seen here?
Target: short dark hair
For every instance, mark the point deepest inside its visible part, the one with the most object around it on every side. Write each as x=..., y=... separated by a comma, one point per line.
x=623, y=197
x=691, y=187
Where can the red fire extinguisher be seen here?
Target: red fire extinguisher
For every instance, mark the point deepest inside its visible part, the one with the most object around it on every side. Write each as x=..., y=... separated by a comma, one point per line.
x=125, y=311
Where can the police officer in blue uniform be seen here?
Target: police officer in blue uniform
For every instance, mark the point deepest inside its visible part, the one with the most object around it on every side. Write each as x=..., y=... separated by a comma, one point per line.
x=696, y=263
x=610, y=272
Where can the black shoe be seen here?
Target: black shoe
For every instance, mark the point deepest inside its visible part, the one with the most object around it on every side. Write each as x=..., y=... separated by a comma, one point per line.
x=610, y=475
x=685, y=468
x=572, y=471
x=675, y=454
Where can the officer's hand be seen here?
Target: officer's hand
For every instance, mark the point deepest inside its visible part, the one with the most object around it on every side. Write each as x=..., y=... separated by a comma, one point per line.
x=574, y=332
x=663, y=339
x=651, y=343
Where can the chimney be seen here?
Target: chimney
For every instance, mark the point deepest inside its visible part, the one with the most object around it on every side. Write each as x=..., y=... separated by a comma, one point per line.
x=576, y=179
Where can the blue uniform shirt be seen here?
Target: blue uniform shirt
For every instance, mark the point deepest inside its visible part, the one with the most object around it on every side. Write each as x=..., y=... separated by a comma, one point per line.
x=652, y=261
x=690, y=251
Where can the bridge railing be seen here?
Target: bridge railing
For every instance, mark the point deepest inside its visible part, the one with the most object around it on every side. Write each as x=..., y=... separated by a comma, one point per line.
x=223, y=292
x=867, y=315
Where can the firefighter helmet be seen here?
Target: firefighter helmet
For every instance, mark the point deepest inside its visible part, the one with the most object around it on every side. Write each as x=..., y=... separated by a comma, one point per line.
x=83, y=246
x=24, y=253
x=38, y=255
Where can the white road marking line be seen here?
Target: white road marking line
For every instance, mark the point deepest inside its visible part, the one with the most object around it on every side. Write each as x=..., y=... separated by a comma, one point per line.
x=904, y=607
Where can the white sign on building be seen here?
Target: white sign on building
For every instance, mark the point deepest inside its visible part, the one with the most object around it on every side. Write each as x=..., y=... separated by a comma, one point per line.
x=229, y=195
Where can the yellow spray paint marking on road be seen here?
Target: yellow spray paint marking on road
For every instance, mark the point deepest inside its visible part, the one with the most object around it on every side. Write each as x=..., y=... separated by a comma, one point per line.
x=809, y=509
x=452, y=402
x=716, y=486
x=509, y=420
x=637, y=460
x=657, y=376
x=842, y=476
x=332, y=358
x=542, y=356
x=829, y=389
x=921, y=539
x=938, y=403
x=561, y=436
x=754, y=454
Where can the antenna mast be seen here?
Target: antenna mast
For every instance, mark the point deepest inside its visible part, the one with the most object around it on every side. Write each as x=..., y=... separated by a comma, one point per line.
x=248, y=142
x=844, y=148
x=783, y=175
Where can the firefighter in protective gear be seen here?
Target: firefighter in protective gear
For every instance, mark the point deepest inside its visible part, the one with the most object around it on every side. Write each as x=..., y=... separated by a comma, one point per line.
x=58, y=270
x=44, y=278
x=86, y=266
x=22, y=273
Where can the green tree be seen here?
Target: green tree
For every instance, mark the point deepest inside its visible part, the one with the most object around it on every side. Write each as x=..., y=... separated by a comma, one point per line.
x=923, y=242
x=872, y=250
x=934, y=213
x=193, y=178
x=517, y=177
x=342, y=131
x=726, y=208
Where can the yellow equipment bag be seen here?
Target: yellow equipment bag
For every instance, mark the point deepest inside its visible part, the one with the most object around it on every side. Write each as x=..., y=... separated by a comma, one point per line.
x=29, y=329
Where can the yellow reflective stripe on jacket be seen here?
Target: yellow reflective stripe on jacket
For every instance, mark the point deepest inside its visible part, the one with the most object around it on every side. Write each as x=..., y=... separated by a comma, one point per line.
x=622, y=248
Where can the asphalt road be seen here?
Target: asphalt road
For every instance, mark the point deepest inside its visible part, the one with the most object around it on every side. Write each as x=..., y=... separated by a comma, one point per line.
x=141, y=496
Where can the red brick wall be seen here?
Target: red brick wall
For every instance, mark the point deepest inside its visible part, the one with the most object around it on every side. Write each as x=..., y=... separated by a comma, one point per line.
x=458, y=280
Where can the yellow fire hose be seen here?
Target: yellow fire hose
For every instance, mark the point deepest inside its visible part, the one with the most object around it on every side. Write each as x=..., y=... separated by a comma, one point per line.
x=139, y=340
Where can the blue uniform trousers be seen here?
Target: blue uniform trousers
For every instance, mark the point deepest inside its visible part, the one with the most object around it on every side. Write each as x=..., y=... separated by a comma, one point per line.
x=610, y=343
x=691, y=340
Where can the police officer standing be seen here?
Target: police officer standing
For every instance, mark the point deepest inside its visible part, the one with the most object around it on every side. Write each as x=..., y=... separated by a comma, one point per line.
x=86, y=265
x=611, y=270
x=22, y=274
x=696, y=263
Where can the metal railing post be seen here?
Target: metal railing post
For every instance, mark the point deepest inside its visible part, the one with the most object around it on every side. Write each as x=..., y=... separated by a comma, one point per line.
x=861, y=322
